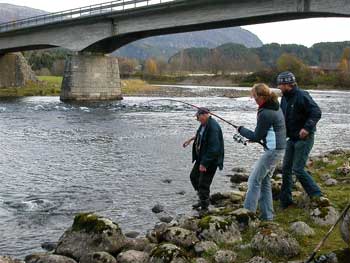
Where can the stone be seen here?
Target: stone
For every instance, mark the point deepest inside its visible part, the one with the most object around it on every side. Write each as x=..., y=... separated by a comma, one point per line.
x=258, y=259
x=345, y=228
x=243, y=187
x=49, y=246
x=98, y=257
x=165, y=218
x=301, y=229
x=90, y=233
x=132, y=234
x=344, y=170
x=205, y=247
x=139, y=244
x=6, y=259
x=238, y=178
x=225, y=256
x=167, y=181
x=331, y=182
x=158, y=208
x=47, y=258
x=15, y=71
x=227, y=199
x=91, y=77
x=189, y=223
x=324, y=216
x=182, y=192
x=133, y=256
x=201, y=260
x=274, y=241
x=219, y=230
x=243, y=216
x=325, y=177
x=276, y=189
x=180, y=237
x=168, y=253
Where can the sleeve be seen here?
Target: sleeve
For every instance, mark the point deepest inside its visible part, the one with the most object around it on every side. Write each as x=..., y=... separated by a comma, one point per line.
x=313, y=112
x=213, y=150
x=260, y=132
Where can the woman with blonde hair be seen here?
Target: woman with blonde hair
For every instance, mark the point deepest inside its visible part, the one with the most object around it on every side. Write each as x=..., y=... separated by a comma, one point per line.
x=270, y=131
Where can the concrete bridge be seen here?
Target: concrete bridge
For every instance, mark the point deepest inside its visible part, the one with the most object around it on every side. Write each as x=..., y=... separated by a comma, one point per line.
x=97, y=30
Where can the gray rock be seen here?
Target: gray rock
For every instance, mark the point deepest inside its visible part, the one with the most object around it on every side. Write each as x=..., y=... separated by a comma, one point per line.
x=132, y=234
x=274, y=241
x=324, y=216
x=182, y=192
x=168, y=253
x=225, y=256
x=48, y=258
x=258, y=260
x=343, y=171
x=180, y=237
x=205, y=247
x=49, y=246
x=331, y=182
x=133, y=256
x=219, y=230
x=228, y=199
x=243, y=216
x=301, y=229
x=139, y=244
x=238, y=178
x=6, y=259
x=90, y=233
x=200, y=260
x=165, y=218
x=167, y=181
x=345, y=228
x=243, y=187
x=158, y=208
x=189, y=223
x=98, y=257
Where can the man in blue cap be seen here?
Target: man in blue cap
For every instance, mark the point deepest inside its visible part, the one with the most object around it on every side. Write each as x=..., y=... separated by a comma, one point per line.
x=208, y=155
x=301, y=115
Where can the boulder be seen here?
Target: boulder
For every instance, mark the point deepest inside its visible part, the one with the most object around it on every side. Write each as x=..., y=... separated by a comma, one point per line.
x=301, y=229
x=274, y=241
x=180, y=236
x=6, y=259
x=258, y=260
x=98, y=257
x=49, y=246
x=165, y=218
x=219, y=230
x=345, y=228
x=158, y=208
x=324, y=216
x=168, y=253
x=238, y=178
x=90, y=233
x=243, y=216
x=139, y=244
x=132, y=234
x=133, y=256
x=205, y=247
x=48, y=258
x=225, y=256
x=189, y=223
x=228, y=199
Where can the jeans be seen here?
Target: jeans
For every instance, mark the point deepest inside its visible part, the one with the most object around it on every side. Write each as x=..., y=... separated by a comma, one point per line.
x=201, y=183
x=297, y=154
x=259, y=184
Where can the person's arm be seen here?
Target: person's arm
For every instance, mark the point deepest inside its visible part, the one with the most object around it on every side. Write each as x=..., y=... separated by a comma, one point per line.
x=188, y=142
x=260, y=132
x=213, y=149
x=313, y=111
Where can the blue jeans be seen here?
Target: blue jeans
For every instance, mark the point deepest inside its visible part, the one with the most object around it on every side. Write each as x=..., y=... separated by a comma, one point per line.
x=259, y=184
x=297, y=154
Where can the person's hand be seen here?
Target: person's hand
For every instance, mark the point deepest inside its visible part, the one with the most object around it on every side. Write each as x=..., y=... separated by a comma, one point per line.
x=202, y=169
x=186, y=143
x=303, y=134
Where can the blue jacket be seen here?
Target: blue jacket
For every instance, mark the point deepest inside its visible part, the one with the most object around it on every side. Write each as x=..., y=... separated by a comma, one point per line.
x=270, y=129
x=300, y=111
x=211, y=146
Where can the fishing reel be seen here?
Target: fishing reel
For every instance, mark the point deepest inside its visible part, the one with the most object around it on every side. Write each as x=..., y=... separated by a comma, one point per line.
x=240, y=139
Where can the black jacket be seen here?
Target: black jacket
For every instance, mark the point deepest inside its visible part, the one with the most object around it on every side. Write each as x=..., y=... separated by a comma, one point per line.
x=211, y=151
x=270, y=128
x=300, y=111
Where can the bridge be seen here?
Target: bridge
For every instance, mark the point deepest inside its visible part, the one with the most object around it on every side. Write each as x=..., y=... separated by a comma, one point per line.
x=94, y=31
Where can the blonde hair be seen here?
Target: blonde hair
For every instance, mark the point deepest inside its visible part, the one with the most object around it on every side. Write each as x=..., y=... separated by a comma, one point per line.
x=263, y=90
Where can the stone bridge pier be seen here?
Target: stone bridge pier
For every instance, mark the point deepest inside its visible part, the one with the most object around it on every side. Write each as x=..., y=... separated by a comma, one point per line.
x=91, y=77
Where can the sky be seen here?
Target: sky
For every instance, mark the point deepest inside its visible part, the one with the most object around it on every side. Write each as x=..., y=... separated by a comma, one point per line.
x=304, y=32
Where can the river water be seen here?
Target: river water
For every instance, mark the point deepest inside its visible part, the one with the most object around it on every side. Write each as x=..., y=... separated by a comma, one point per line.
x=59, y=159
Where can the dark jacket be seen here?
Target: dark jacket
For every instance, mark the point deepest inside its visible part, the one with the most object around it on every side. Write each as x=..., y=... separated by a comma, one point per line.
x=300, y=111
x=270, y=129
x=211, y=150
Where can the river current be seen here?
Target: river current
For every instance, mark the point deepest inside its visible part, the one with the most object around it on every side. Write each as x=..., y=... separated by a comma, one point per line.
x=59, y=159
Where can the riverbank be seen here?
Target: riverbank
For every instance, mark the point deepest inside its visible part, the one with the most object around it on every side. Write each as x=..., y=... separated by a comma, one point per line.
x=227, y=233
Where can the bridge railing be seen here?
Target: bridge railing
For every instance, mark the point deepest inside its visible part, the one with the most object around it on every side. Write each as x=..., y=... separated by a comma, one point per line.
x=103, y=8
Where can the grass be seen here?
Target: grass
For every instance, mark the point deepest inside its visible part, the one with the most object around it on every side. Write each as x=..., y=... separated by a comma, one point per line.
x=136, y=86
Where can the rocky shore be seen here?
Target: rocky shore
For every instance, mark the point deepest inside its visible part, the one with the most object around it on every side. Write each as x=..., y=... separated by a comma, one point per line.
x=228, y=233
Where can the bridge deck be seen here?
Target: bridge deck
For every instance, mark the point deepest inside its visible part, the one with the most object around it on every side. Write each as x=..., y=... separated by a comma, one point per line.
x=82, y=12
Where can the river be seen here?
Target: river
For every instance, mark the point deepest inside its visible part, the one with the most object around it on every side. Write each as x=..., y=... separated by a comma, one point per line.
x=59, y=159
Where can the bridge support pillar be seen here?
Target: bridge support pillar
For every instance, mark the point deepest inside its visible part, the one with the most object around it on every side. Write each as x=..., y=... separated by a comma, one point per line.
x=91, y=77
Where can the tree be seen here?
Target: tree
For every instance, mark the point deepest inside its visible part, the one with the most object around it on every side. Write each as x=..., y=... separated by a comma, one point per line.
x=344, y=65
x=127, y=66
x=151, y=67
x=288, y=62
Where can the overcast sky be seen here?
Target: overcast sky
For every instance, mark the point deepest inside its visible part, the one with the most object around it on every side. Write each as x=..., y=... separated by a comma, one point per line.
x=305, y=32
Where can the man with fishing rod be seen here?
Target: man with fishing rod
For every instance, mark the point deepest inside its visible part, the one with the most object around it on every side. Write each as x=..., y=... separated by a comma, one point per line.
x=207, y=155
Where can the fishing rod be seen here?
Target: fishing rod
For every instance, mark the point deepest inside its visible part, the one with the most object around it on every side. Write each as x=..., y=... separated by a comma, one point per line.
x=341, y=217
x=237, y=137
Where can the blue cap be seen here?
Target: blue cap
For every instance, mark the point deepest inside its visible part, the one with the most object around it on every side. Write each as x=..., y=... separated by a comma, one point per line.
x=286, y=77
